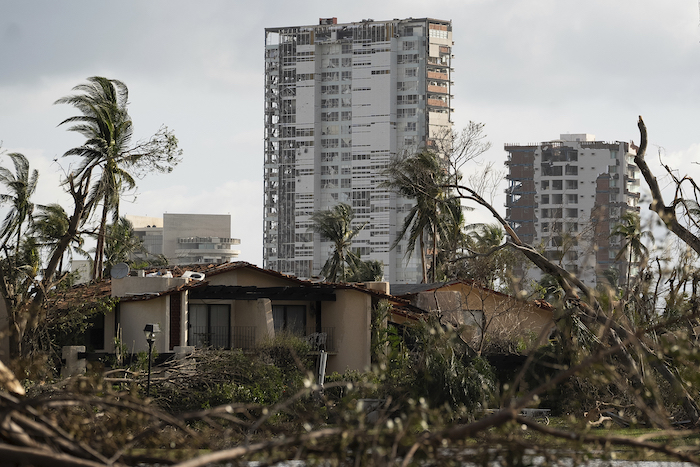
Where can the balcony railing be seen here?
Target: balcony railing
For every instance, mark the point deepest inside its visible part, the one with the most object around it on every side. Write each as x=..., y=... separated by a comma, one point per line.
x=243, y=337
x=210, y=336
x=324, y=340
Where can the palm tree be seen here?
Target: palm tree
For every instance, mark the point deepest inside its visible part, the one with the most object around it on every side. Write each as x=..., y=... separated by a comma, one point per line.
x=106, y=124
x=452, y=240
x=335, y=225
x=481, y=239
x=422, y=177
x=121, y=243
x=50, y=225
x=21, y=186
x=632, y=236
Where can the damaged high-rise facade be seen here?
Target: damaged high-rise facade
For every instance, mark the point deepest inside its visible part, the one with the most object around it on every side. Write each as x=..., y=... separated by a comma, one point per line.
x=566, y=196
x=341, y=101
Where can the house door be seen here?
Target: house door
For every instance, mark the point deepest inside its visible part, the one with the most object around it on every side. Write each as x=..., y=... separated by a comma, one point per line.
x=209, y=326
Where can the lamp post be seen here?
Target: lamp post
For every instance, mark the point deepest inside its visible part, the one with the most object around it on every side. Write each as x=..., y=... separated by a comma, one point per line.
x=151, y=332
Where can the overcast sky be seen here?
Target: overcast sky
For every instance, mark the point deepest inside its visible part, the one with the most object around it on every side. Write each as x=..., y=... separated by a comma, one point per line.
x=529, y=70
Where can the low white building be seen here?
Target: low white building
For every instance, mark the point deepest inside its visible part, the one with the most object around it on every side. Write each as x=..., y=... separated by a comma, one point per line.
x=188, y=238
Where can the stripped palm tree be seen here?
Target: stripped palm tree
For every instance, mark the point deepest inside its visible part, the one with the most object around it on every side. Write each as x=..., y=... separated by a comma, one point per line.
x=106, y=124
x=335, y=225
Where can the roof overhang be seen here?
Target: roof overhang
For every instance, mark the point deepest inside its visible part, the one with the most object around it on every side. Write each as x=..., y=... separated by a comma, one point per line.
x=238, y=292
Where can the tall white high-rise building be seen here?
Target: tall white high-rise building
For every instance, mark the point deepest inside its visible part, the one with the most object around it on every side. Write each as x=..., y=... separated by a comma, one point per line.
x=566, y=196
x=342, y=100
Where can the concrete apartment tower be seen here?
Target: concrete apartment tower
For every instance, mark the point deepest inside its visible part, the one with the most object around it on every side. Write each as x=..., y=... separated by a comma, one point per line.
x=567, y=195
x=342, y=100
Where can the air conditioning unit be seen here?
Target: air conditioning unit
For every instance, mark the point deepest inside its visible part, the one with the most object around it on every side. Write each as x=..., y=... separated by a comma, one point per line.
x=198, y=276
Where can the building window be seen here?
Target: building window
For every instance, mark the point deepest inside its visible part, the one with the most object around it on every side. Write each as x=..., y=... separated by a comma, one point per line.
x=571, y=170
x=572, y=212
x=545, y=199
x=209, y=326
x=330, y=76
x=329, y=103
x=557, y=199
x=406, y=113
x=544, y=184
x=290, y=318
x=572, y=184
x=572, y=198
x=556, y=184
x=408, y=99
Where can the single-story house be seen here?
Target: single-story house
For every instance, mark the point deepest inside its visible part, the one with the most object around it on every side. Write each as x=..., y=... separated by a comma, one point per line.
x=482, y=314
x=236, y=305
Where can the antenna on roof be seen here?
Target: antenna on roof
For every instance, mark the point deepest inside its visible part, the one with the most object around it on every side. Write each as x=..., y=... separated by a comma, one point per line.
x=119, y=271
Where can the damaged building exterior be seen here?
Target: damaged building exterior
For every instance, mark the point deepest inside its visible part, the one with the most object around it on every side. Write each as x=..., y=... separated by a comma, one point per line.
x=342, y=100
x=567, y=195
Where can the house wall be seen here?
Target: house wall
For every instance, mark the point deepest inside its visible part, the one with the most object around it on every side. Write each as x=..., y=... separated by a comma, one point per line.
x=132, y=285
x=133, y=318
x=351, y=316
x=505, y=315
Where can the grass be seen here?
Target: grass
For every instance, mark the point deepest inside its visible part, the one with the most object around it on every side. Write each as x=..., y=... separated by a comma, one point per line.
x=684, y=442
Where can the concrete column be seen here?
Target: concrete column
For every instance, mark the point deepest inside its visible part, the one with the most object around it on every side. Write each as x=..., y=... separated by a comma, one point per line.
x=73, y=364
x=263, y=319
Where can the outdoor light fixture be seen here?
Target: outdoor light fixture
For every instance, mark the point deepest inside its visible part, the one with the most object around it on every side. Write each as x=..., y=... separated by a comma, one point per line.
x=151, y=332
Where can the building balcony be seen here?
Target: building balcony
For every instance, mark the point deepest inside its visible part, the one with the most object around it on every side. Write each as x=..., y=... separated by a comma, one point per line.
x=438, y=75
x=437, y=103
x=225, y=254
x=438, y=89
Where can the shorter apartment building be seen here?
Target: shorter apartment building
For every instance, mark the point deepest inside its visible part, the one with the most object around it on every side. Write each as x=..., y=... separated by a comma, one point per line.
x=565, y=197
x=188, y=238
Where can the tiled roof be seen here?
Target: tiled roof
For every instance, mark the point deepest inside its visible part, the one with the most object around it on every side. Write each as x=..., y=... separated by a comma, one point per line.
x=406, y=290
x=85, y=293
x=79, y=294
